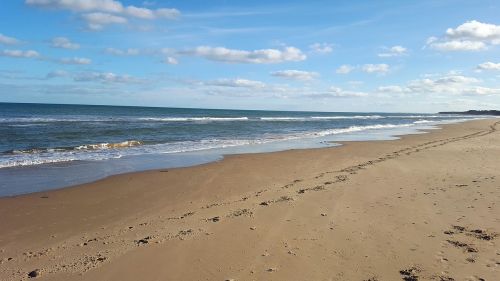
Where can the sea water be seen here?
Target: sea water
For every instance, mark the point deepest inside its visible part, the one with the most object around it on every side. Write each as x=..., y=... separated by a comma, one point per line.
x=46, y=146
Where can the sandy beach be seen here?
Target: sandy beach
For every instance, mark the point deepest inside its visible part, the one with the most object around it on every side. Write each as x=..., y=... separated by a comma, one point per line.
x=424, y=207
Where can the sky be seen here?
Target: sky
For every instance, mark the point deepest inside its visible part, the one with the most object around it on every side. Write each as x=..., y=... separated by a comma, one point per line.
x=358, y=56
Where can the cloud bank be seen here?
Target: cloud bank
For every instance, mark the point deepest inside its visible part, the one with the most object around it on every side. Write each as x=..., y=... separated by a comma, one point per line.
x=469, y=36
x=443, y=85
x=263, y=56
x=98, y=13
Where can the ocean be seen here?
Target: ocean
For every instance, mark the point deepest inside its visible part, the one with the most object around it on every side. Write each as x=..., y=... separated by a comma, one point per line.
x=51, y=146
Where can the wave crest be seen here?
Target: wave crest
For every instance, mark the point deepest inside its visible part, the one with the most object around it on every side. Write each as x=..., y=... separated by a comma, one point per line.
x=130, y=143
x=98, y=146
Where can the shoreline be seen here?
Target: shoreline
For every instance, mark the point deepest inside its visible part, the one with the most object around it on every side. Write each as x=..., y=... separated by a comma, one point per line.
x=101, y=229
x=151, y=162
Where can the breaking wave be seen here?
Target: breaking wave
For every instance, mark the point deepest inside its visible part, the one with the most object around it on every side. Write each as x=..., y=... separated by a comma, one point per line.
x=102, y=151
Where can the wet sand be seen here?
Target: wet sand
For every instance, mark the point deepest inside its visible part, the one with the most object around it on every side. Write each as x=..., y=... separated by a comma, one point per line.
x=425, y=207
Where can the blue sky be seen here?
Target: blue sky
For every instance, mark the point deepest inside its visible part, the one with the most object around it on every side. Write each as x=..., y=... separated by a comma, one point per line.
x=392, y=56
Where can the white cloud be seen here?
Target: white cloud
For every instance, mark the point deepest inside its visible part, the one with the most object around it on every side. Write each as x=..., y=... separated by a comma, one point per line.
x=392, y=89
x=65, y=43
x=453, y=84
x=457, y=45
x=137, y=12
x=171, y=60
x=20, y=53
x=336, y=92
x=241, y=87
x=236, y=83
x=167, y=13
x=488, y=66
x=105, y=77
x=339, y=92
x=8, y=40
x=109, y=6
x=469, y=36
x=441, y=87
x=448, y=85
x=76, y=60
x=456, y=79
x=102, y=12
x=145, y=13
x=345, y=69
x=119, y=52
x=263, y=56
x=375, y=68
x=296, y=75
x=96, y=21
x=478, y=90
x=101, y=77
x=475, y=30
x=394, y=51
x=321, y=48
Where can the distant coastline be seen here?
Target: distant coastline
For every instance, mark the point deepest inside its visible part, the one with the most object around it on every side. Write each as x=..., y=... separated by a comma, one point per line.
x=474, y=112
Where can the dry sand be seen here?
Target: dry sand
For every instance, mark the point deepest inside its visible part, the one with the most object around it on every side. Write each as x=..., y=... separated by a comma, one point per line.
x=425, y=207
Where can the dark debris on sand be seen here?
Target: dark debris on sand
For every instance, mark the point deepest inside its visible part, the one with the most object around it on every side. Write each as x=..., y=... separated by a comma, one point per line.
x=144, y=240
x=214, y=219
x=410, y=274
x=462, y=245
x=476, y=233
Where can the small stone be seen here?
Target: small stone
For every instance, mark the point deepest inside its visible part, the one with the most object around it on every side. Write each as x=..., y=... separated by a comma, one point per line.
x=33, y=274
x=253, y=228
x=272, y=269
x=323, y=214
